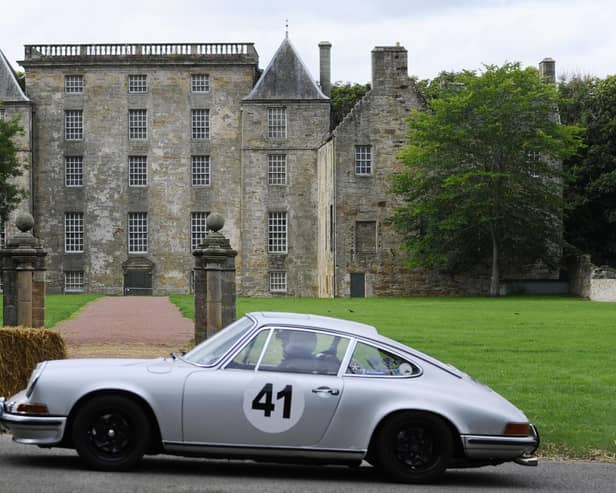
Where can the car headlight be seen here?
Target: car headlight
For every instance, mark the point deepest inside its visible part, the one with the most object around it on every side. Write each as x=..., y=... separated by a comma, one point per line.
x=36, y=373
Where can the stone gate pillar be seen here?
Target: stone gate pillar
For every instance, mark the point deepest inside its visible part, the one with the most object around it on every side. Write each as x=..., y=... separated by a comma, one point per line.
x=23, y=277
x=214, y=281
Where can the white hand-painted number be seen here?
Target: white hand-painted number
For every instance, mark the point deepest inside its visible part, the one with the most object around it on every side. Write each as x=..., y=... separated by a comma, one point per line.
x=263, y=400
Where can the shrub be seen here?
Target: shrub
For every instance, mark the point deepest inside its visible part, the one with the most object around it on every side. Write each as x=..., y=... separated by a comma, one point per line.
x=20, y=351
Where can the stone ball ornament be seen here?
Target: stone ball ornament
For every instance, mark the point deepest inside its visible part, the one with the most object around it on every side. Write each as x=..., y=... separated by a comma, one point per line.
x=215, y=222
x=24, y=222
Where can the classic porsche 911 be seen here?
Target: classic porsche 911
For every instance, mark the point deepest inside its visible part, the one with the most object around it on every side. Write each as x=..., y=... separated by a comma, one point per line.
x=275, y=387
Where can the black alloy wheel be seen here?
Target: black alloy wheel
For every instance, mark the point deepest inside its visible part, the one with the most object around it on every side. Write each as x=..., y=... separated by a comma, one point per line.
x=111, y=433
x=413, y=447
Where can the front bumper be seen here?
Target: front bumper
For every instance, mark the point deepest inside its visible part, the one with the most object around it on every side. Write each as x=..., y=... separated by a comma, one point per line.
x=503, y=448
x=32, y=429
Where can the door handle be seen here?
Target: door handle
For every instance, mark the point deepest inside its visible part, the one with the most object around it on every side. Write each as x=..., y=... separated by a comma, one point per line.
x=326, y=390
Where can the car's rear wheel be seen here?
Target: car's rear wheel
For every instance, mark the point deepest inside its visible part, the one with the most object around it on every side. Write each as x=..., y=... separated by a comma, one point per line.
x=111, y=433
x=413, y=447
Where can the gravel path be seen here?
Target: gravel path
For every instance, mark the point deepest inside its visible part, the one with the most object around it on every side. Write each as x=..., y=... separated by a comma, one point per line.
x=121, y=320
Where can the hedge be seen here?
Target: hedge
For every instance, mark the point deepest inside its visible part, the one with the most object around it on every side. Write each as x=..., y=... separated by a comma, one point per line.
x=20, y=351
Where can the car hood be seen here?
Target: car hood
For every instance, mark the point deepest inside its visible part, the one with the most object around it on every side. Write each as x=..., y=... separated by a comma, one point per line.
x=63, y=364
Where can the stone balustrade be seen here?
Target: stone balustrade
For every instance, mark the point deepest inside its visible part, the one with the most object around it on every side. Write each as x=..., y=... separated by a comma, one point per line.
x=47, y=51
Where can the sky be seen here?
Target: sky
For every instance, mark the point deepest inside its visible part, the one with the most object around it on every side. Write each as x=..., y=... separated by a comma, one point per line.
x=438, y=34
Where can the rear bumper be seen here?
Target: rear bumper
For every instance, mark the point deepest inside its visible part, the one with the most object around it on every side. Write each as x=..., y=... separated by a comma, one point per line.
x=32, y=430
x=503, y=448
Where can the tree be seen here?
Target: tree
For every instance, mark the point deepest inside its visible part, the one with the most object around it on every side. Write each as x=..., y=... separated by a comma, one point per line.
x=10, y=168
x=590, y=219
x=482, y=182
x=344, y=96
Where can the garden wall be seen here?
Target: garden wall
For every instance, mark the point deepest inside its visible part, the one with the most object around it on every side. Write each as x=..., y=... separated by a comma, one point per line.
x=589, y=281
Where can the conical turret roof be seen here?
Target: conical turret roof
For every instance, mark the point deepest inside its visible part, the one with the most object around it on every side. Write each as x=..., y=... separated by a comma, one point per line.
x=10, y=90
x=286, y=77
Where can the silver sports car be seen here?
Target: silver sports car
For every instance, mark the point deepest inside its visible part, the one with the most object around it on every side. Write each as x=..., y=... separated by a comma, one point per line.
x=275, y=387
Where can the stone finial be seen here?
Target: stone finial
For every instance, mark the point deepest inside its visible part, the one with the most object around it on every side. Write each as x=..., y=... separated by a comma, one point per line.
x=24, y=222
x=215, y=222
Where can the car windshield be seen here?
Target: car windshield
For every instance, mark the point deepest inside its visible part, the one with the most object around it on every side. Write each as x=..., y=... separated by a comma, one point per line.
x=210, y=351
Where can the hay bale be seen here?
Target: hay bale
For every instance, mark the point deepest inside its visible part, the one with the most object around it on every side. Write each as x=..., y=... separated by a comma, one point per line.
x=21, y=350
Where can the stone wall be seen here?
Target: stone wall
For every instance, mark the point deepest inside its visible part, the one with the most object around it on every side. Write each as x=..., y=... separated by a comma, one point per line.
x=326, y=214
x=105, y=197
x=589, y=281
x=307, y=127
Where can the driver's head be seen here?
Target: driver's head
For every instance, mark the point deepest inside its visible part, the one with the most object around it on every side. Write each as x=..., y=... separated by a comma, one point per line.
x=299, y=344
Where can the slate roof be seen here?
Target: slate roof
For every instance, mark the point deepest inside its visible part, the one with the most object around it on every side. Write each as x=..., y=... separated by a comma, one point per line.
x=286, y=77
x=10, y=90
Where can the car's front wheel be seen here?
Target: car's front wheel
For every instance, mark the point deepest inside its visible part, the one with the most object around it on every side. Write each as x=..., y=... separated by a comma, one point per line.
x=413, y=447
x=111, y=433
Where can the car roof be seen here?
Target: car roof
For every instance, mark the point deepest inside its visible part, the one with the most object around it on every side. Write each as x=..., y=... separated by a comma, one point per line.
x=316, y=321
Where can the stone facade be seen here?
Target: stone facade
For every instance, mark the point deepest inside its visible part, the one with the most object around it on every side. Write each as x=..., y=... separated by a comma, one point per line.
x=306, y=208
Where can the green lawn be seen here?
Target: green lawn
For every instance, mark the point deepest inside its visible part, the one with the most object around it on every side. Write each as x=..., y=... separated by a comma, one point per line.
x=59, y=307
x=553, y=357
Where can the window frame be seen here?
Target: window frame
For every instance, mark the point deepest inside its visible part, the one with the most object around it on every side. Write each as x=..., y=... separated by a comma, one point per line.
x=277, y=241
x=200, y=86
x=277, y=166
x=73, y=171
x=351, y=351
x=137, y=83
x=81, y=275
x=200, y=123
x=137, y=124
x=201, y=215
x=363, y=161
x=137, y=171
x=272, y=275
x=73, y=125
x=131, y=232
x=74, y=232
x=73, y=84
x=196, y=175
x=277, y=122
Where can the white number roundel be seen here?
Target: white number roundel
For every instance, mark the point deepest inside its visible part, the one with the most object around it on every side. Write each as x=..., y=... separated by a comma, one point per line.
x=273, y=405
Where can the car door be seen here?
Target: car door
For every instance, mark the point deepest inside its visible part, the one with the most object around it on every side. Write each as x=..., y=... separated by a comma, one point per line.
x=281, y=389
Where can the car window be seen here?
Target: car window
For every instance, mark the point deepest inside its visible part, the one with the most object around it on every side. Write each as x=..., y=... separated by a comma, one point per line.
x=371, y=361
x=212, y=349
x=304, y=351
x=248, y=357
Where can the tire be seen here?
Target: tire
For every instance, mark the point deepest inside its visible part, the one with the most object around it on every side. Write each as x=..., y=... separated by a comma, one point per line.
x=111, y=433
x=413, y=447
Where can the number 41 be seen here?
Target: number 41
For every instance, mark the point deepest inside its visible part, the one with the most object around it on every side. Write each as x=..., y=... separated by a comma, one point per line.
x=263, y=400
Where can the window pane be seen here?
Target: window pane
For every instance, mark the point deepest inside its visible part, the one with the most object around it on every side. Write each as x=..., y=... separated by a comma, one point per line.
x=277, y=169
x=73, y=232
x=137, y=171
x=200, y=83
x=73, y=282
x=248, y=357
x=363, y=160
x=137, y=232
x=73, y=125
x=137, y=124
x=200, y=124
x=371, y=361
x=302, y=351
x=277, y=122
x=198, y=228
x=73, y=84
x=137, y=83
x=200, y=171
x=277, y=232
x=278, y=282
x=73, y=171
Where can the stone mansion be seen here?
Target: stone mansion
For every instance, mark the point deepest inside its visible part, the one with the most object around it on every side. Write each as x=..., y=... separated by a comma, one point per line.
x=128, y=148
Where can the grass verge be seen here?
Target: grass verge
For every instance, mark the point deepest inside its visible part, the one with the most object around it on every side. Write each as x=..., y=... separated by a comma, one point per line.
x=60, y=307
x=551, y=356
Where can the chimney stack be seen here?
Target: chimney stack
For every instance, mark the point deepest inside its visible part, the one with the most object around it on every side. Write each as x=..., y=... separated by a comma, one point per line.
x=325, y=66
x=547, y=69
x=389, y=67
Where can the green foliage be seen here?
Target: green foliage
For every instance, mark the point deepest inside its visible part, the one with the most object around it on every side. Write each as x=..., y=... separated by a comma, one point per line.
x=10, y=194
x=551, y=356
x=483, y=183
x=590, y=221
x=344, y=96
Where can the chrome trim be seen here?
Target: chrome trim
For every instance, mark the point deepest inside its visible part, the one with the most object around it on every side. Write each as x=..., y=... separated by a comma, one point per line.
x=243, y=450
